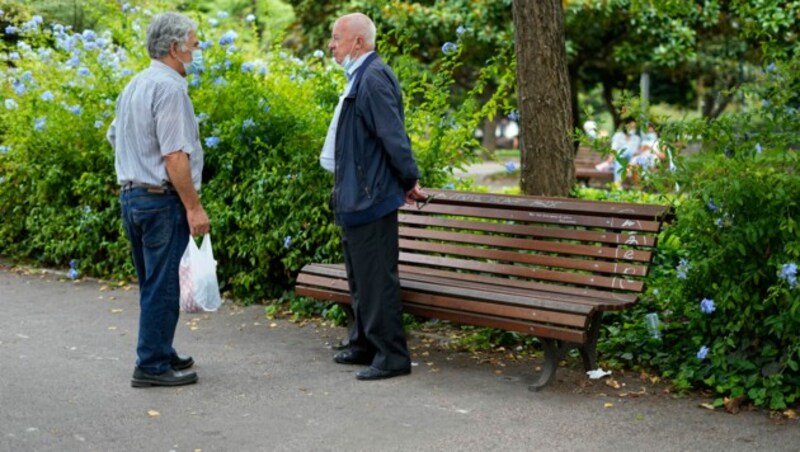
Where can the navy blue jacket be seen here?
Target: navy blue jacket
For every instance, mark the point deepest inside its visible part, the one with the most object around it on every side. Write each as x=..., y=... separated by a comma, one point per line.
x=374, y=163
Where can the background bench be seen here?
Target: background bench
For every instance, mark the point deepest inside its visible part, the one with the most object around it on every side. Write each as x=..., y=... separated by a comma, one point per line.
x=548, y=267
x=585, y=171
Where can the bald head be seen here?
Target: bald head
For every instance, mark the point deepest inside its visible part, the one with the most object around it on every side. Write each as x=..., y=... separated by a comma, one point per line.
x=352, y=34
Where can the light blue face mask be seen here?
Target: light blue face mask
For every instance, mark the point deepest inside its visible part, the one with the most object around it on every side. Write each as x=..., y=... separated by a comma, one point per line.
x=348, y=60
x=196, y=65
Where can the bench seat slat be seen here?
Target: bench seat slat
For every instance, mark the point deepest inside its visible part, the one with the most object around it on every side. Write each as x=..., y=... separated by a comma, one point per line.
x=524, y=272
x=481, y=299
x=613, y=300
x=600, y=300
x=539, y=330
x=531, y=231
x=592, y=265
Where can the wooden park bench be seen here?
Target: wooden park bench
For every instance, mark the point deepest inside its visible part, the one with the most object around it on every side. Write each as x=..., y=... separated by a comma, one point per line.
x=585, y=171
x=548, y=267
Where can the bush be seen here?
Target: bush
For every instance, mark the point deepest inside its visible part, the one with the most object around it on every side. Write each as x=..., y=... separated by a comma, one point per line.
x=725, y=284
x=263, y=119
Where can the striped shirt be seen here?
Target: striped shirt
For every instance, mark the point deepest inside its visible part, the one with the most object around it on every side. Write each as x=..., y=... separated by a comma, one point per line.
x=154, y=118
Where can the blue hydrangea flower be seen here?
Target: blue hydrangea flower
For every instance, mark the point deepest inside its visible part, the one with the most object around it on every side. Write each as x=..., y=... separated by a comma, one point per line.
x=195, y=81
x=248, y=67
x=287, y=241
x=74, y=61
x=228, y=38
x=13, y=56
x=510, y=166
x=711, y=206
x=248, y=123
x=75, y=109
x=223, y=14
x=682, y=268
x=203, y=45
x=656, y=292
x=772, y=67
x=449, y=48
x=702, y=353
x=98, y=124
x=89, y=35
x=202, y=117
x=12, y=30
x=4, y=149
x=514, y=116
x=759, y=149
x=789, y=274
x=450, y=186
x=11, y=104
x=232, y=49
x=460, y=30
x=707, y=306
x=212, y=142
x=126, y=72
x=73, y=274
x=250, y=18
x=213, y=22
x=83, y=71
x=720, y=223
x=40, y=123
x=126, y=7
x=19, y=88
x=47, y=96
x=220, y=81
x=319, y=53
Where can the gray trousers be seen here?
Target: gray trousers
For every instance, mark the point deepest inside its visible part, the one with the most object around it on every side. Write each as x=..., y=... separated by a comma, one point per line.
x=371, y=253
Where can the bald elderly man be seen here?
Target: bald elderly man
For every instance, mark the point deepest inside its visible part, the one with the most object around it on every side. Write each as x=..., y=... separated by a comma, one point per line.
x=369, y=153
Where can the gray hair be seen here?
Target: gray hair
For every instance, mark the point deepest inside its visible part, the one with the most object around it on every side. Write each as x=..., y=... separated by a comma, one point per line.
x=167, y=29
x=362, y=25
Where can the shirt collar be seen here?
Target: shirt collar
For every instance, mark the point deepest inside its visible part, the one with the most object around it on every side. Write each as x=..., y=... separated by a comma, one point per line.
x=168, y=71
x=351, y=72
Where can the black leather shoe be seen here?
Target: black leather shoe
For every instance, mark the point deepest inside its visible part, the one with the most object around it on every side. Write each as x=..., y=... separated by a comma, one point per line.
x=352, y=357
x=179, y=362
x=372, y=373
x=172, y=377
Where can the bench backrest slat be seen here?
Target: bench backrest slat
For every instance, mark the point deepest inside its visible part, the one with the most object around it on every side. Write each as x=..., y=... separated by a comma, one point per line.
x=531, y=231
x=589, y=265
x=526, y=244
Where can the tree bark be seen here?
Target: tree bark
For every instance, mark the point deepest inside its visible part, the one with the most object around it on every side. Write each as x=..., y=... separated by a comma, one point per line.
x=545, y=108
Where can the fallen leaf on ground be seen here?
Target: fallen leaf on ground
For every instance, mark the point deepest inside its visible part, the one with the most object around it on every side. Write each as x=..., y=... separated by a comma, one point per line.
x=708, y=406
x=613, y=383
x=116, y=311
x=733, y=405
x=791, y=414
x=112, y=328
x=608, y=405
x=153, y=413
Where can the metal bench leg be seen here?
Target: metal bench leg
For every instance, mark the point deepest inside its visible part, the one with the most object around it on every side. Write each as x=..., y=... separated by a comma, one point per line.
x=589, y=349
x=554, y=350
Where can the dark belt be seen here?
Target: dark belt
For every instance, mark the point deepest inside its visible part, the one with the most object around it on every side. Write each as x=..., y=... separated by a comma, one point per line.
x=166, y=188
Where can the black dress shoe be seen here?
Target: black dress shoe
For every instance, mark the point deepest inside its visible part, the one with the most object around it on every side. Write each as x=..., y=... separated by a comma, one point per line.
x=171, y=377
x=352, y=357
x=179, y=362
x=372, y=373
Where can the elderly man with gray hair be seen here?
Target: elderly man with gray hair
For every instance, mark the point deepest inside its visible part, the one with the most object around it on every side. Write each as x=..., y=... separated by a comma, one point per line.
x=159, y=161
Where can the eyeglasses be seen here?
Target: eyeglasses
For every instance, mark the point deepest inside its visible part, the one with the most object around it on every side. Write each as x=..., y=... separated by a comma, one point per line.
x=424, y=202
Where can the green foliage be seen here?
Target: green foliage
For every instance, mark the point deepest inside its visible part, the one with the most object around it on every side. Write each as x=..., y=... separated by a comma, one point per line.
x=734, y=244
x=262, y=118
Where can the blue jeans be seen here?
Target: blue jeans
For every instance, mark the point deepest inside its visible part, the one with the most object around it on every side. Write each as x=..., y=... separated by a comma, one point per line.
x=158, y=230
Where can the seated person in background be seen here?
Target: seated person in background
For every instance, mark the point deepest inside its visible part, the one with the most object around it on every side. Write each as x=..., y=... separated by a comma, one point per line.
x=590, y=128
x=625, y=145
x=649, y=153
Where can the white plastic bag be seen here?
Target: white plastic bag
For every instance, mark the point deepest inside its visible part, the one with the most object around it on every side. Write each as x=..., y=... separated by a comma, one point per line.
x=198, y=278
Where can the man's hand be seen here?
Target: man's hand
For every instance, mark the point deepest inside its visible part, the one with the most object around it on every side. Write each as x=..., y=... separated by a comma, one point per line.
x=198, y=221
x=415, y=194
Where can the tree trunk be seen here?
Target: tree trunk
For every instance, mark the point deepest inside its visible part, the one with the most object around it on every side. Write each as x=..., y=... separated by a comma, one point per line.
x=547, y=166
x=489, y=140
